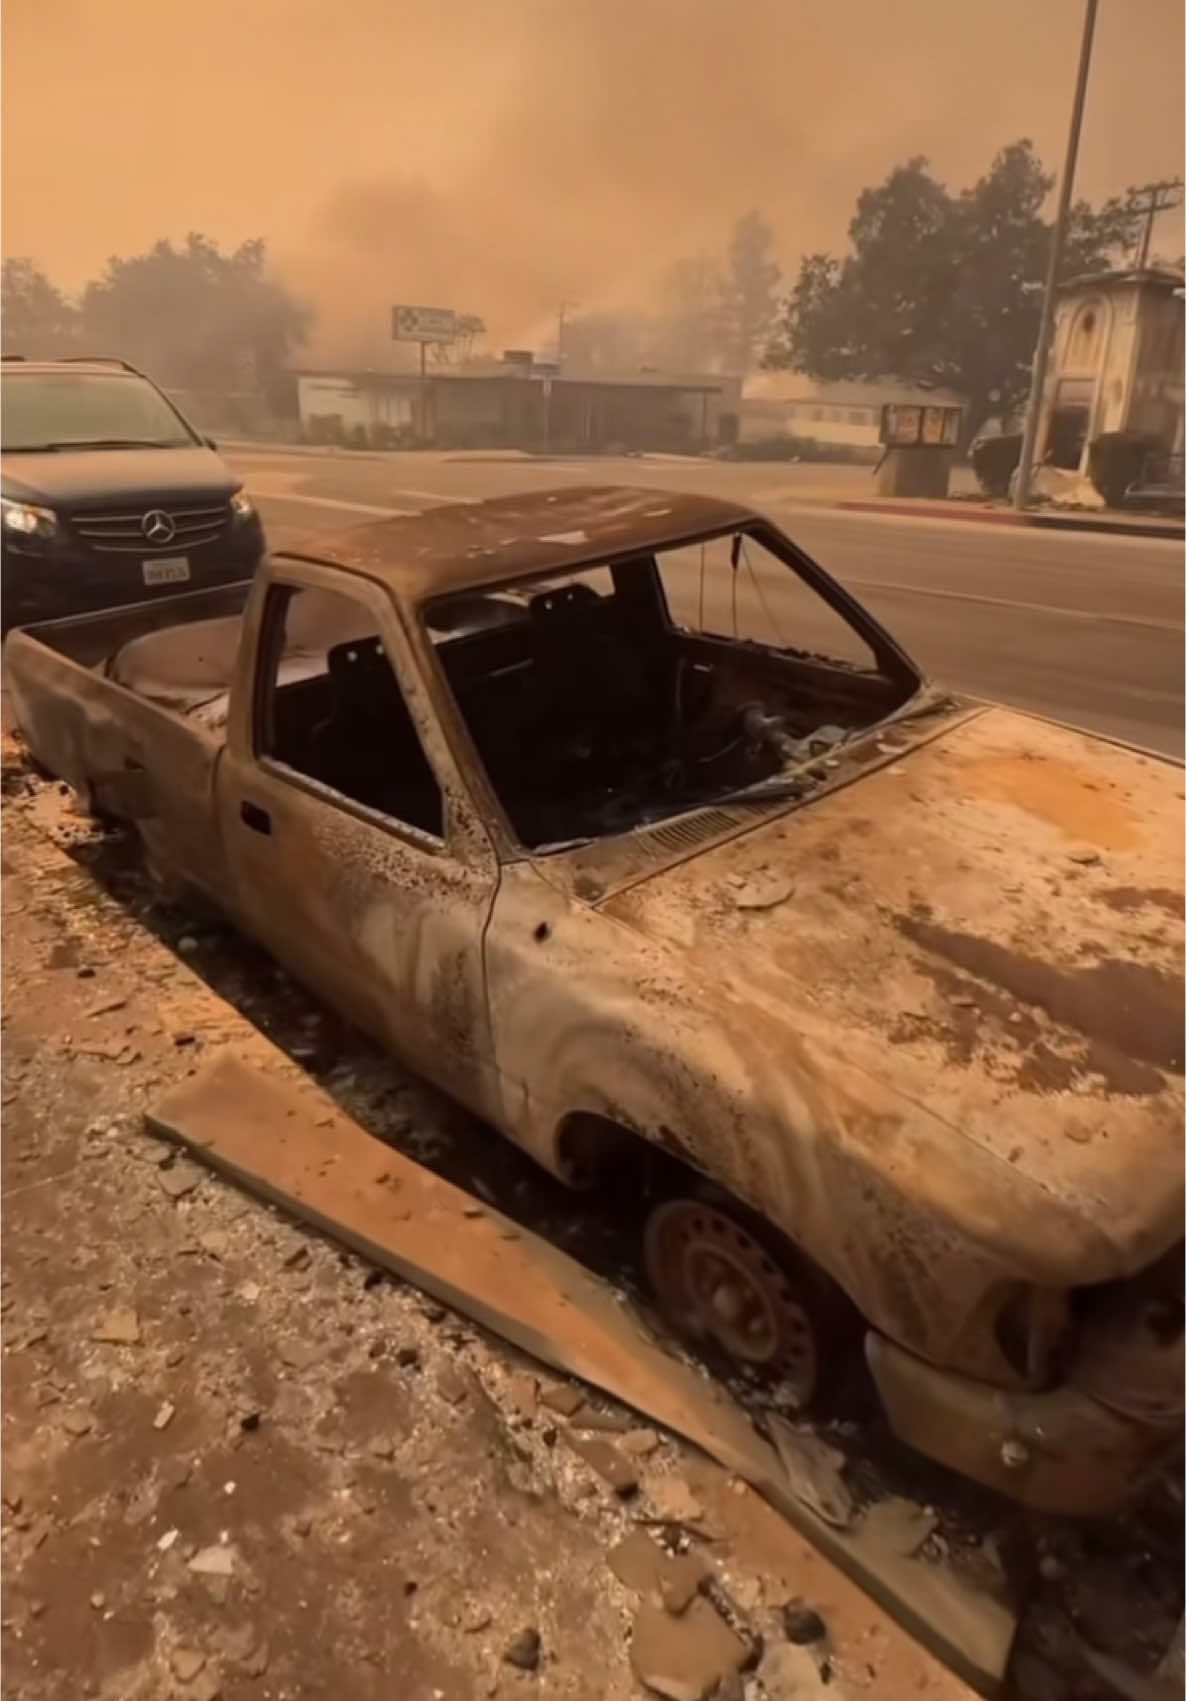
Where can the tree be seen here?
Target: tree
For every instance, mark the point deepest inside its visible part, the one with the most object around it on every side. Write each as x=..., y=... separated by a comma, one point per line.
x=37, y=319
x=608, y=342
x=749, y=300
x=467, y=328
x=196, y=318
x=942, y=289
x=690, y=334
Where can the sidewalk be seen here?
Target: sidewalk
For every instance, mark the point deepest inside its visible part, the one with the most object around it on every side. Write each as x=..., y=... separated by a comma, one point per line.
x=984, y=513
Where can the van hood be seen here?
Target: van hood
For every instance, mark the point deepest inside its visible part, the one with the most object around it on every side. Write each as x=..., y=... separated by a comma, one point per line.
x=74, y=478
x=991, y=927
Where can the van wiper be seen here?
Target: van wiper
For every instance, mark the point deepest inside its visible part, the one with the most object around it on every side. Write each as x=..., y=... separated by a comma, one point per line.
x=112, y=443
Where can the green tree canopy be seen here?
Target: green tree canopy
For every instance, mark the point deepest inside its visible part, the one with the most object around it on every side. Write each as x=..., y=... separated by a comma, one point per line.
x=194, y=317
x=940, y=288
x=37, y=319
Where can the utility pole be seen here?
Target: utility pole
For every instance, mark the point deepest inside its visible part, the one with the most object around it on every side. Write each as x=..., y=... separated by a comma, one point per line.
x=1151, y=199
x=564, y=307
x=1025, y=465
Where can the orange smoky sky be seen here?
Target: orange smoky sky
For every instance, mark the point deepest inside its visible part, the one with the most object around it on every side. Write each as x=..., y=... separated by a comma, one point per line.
x=500, y=156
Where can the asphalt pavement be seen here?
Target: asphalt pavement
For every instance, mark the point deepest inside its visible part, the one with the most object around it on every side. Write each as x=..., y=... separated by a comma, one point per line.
x=1086, y=629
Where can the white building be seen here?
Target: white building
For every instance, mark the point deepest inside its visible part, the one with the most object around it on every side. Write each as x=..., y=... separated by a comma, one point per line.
x=1115, y=364
x=787, y=404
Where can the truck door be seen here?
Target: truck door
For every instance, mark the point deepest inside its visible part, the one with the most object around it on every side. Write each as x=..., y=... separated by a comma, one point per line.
x=354, y=855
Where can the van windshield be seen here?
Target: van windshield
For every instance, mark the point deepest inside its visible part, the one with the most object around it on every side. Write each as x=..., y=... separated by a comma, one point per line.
x=44, y=411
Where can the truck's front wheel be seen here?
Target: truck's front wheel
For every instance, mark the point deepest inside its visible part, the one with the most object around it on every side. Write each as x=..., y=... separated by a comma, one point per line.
x=714, y=1278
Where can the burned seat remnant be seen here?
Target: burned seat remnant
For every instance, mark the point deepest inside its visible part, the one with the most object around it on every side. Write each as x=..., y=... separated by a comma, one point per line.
x=606, y=700
x=614, y=815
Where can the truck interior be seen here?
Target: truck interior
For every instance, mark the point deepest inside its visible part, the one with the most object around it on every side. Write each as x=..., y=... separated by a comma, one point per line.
x=598, y=700
x=614, y=698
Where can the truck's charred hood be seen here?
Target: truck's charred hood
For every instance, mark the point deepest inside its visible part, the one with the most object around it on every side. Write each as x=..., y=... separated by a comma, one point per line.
x=993, y=925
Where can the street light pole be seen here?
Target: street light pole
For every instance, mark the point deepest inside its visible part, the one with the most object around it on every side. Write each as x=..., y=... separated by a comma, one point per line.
x=1025, y=465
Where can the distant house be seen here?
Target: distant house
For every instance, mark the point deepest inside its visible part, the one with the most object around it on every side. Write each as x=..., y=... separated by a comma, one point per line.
x=1116, y=364
x=786, y=404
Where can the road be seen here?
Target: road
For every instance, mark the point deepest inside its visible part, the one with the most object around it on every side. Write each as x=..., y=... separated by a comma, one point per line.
x=1083, y=628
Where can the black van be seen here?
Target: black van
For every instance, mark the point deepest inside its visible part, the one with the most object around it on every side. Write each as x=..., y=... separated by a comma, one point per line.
x=108, y=494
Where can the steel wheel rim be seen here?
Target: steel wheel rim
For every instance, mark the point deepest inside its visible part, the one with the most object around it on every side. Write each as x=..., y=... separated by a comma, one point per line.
x=719, y=1281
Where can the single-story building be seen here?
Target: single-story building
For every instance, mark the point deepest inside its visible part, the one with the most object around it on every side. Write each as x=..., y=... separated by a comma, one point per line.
x=1115, y=364
x=520, y=404
x=846, y=414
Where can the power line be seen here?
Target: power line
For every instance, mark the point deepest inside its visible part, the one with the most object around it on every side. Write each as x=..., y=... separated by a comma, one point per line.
x=1149, y=200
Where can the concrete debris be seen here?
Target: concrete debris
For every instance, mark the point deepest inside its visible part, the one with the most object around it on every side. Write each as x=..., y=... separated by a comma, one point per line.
x=563, y=1398
x=216, y=1561
x=179, y=1179
x=523, y=1650
x=613, y=1467
x=813, y=1471
x=640, y=1443
x=77, y=1422
x=900, y=1526
x=521, y=1390
x=120, y=1327
x=670, y=1500
x=186, y=1663
x=167, y=1540
x=451, y=1385
x=300, y=1355
x=685, y=1658
x=671, y=1579
x=164, y=1416
x=612, y=1423
x=793, y=1673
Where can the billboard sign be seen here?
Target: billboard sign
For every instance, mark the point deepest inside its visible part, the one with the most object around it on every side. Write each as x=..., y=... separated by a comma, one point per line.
x=423, y=324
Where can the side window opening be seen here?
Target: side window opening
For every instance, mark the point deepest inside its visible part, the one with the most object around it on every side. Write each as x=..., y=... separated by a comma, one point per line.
x=330, y=708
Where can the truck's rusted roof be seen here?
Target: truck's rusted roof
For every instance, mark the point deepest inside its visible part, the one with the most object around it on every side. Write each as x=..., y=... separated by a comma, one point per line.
x=462, y=545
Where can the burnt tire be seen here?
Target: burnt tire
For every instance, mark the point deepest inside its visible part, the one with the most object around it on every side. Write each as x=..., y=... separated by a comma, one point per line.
x=720, y=1276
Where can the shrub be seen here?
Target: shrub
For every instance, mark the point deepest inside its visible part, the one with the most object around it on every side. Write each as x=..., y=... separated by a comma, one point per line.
x=786, y=448
x=994, y=461
x=1114, y=460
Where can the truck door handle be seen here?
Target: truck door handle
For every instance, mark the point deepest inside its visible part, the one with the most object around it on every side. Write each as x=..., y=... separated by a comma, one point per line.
x=254, y=817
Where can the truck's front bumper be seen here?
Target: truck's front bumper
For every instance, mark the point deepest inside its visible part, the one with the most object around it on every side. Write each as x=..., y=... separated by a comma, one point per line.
x=1059, y=1451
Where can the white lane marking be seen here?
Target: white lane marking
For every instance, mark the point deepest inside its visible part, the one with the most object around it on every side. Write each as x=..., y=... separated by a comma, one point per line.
x=438, y=497
x=1149, y=622
x=373, y=508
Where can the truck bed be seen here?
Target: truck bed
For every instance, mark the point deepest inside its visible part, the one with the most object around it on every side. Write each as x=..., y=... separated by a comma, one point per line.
x=124, y=753
x=92, y=639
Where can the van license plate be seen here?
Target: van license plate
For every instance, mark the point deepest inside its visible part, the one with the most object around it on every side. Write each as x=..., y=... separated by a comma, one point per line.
x=172, y=571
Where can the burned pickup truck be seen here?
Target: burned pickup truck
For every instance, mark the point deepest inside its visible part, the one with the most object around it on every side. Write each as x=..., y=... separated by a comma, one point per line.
x=615, y=816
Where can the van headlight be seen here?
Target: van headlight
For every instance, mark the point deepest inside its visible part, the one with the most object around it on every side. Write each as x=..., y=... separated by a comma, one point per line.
x=242, y=507
x=26, y=520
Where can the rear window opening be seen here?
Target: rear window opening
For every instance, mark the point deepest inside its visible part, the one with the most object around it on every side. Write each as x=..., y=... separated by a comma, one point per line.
x=613, y=697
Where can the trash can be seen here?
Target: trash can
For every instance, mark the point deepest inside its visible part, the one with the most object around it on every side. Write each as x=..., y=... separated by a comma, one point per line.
x=920, y=446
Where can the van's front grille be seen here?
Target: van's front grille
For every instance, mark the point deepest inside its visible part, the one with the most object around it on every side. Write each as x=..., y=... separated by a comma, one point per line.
x=123, y=530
